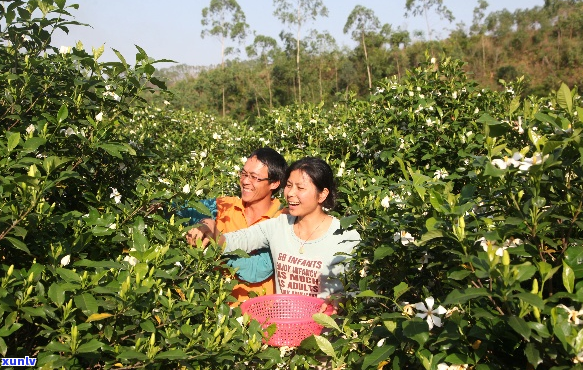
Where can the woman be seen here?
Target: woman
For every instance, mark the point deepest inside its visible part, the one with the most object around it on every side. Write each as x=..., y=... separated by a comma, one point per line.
x=303, y=243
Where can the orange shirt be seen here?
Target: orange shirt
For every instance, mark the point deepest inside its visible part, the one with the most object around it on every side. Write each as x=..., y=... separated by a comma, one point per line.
x=231, y=217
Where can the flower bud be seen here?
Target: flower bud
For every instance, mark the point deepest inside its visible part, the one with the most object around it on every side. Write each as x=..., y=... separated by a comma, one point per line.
x=506, y=258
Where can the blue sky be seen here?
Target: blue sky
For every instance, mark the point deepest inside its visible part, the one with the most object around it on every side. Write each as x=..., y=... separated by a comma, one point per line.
x=171, y=29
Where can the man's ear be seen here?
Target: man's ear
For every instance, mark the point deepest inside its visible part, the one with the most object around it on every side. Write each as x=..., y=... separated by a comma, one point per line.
x=323, y=195
x=274, y=185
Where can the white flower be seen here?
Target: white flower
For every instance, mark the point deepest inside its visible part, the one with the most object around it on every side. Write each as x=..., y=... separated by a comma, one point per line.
x=404, y=237
x=164, y=181
x=199, y=192
x=428, y=313
x=69, y=131
x=66, y=260
x=433, y=60
x=244, y=160
x=115, y=195
x=444, y=366
x=166, y=102
x=216, y=136
x=440, y=174
x=454, y=95
x=487, y=244
x=186, y=189
x=381, y=342
x=112, y=226
x=65, y=50
x=178, y=264
x=512, y=242
x=30, y=129
x=203, y=154
x=99, y=117
x=131, y=260
x=386, y=202
x=506, y=162
x=537, y=158
x=573, y=314
x=363, y=272
x=340, y=172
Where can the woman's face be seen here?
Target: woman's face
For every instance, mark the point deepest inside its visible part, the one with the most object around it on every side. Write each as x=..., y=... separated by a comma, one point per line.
x=301, y=194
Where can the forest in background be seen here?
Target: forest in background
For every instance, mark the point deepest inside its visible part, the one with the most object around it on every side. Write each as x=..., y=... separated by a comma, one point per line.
x=543, y=44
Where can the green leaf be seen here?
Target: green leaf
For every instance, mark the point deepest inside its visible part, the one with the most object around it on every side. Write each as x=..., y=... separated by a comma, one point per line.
x=17, y=244
x=568, y=277
x=574, y=258
x=369, y=294
x=430, y=235
x=132, y=355
x=493, y=171
x=325, y=345
x=13, y=140
x=148, y=326
x=345, y=222
x=378, y=355
x=564, y=98
x=56, y=294
x=91, y=346
x=62, y=114
x=325, y=321
x=98, y=316
x=520, y=326
x=32, y=144
x=400, y=289
x=417, y=330
x=531, y=299
x=173, y=354
x=3, y=347
x=532, y=355
x=382, y=252
x=68, y=275
x=463, y=295
x=86, y=303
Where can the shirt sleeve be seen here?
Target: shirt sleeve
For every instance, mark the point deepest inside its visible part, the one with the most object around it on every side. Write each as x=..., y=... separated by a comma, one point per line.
x=256, y=268
x=195, y=216
x=249, y=239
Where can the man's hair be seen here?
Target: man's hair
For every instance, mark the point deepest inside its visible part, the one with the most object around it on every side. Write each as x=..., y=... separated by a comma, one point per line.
x=276, y=165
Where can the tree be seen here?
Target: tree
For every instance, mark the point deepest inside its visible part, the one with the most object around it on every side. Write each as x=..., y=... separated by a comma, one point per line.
x=298, y=13
x=216, y=16
x=321, y=45
x=478, y=28
x=362, y=20
x=265, y=48
x=421, y=7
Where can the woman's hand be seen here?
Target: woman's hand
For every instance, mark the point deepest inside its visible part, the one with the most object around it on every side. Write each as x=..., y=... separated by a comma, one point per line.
x=325, y=305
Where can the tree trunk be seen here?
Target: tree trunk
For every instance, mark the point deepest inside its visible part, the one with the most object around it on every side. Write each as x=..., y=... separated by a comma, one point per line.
x=367, y=66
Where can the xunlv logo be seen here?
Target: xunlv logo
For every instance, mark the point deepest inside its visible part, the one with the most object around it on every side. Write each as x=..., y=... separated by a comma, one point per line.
x=18, y=361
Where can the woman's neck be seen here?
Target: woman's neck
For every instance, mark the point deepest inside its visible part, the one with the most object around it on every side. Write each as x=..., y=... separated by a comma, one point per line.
x=312, y=218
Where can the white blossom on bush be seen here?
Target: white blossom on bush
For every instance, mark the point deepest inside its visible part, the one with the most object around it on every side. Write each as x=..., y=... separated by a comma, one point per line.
x=115, y=195
x=99, y=117
x=30, y=129
x=573, y=314
x=428, y=313
x=440, y=174
x=186, y=189
x=65, y=49
x=131, y=260
x=444, y=366
x=404, y=237
x=66, y=260
x=386, y=202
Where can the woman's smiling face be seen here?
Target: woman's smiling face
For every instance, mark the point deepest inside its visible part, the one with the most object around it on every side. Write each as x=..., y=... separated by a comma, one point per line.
x=302, y=195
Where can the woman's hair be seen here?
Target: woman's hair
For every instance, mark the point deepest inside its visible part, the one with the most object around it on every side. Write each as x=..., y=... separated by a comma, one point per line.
x=321, y=175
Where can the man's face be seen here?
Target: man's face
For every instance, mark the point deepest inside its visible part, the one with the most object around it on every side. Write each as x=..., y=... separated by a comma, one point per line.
x=254, y=183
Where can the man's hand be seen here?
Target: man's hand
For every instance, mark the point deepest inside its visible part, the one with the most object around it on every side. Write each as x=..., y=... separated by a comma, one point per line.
x=204, y=233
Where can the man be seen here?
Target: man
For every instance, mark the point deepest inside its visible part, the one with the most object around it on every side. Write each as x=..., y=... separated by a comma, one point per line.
x=260, y=179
